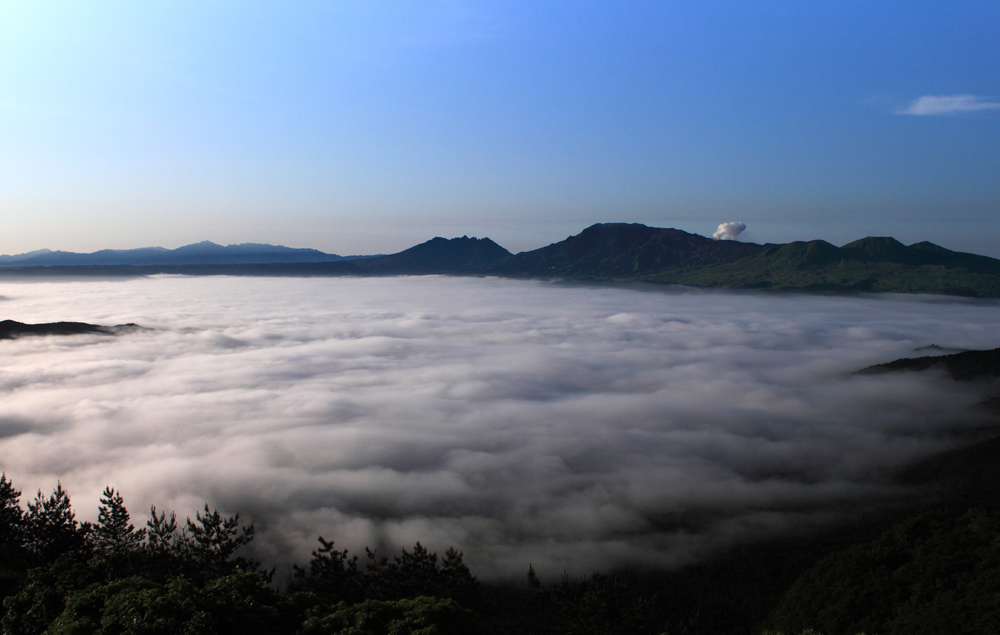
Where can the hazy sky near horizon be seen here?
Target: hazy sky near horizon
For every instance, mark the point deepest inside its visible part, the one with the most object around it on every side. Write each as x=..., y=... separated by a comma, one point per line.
x=366, y=127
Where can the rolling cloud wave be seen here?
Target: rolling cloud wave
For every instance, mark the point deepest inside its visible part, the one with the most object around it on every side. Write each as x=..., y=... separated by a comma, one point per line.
x=567, y=426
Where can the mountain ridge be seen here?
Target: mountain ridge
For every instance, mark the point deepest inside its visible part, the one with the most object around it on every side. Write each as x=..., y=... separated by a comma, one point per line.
x=604, y=252
x=204, y=252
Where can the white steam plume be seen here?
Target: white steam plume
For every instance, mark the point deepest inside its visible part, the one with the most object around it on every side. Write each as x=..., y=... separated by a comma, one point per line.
x=729, y=231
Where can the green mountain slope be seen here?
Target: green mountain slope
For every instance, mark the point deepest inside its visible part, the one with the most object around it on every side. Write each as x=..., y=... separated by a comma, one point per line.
x=871, y=264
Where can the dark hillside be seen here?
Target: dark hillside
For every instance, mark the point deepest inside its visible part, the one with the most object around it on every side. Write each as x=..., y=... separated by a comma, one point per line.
x=440, y=255
x=798, y=254
x=622, y=250
x=961, y=366
x=880, y=265
x=10, y=329
x=884, y=249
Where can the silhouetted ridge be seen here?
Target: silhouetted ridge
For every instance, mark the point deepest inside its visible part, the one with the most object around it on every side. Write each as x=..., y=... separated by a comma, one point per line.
x=9, y=329
x=882, y=249
x=440, y=256
x=202, y=253
x=616, y=250
x=961, y=366
x=609, y=252
x=931, y=247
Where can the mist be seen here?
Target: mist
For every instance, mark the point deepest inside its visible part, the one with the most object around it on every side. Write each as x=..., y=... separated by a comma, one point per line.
x=571, y=427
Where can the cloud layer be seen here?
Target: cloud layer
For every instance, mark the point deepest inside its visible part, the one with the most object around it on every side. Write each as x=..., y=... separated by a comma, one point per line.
x=566, y=426
x=948, y=105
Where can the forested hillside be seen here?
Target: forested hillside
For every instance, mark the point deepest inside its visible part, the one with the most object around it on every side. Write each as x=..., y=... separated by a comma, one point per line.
x=933, y=573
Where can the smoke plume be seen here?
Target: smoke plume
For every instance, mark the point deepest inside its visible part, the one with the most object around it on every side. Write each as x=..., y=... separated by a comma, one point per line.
x=729, y=231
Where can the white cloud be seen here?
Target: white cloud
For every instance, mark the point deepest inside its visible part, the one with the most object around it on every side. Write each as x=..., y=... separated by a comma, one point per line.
x=570, y=427
x=729, y=231
x=947, y=105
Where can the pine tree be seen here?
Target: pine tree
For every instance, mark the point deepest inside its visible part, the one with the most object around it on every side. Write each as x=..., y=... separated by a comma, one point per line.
x=161, y=533
x=458, y=580
x=215, y=539
x=165, y=548
x=52, y=527
x=113, y=532
x=332, y=574
x=12, y=533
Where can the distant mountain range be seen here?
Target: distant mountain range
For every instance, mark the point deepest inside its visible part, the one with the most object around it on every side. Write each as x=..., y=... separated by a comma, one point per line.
x=197, y=254
x=607, y=252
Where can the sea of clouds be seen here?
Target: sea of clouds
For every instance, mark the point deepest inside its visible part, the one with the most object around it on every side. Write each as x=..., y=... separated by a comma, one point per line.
x=571, y=427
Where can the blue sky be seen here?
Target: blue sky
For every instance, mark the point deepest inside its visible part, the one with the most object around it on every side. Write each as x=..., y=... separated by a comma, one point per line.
x=364, y=127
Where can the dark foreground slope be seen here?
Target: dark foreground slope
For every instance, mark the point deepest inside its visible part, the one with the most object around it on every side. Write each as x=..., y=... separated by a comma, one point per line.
x=933, y=572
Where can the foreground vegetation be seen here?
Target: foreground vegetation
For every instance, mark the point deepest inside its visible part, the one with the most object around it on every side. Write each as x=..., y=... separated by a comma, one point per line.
x=933, y=573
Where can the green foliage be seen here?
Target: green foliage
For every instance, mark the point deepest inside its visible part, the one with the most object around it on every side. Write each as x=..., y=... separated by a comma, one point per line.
x=42, y=598
x=417, y=616
x=598, y=605
x=332, y=574
x=113, y=578
x=238, y=603
x=931, y=574
x=336, y=576
x=808, y=631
